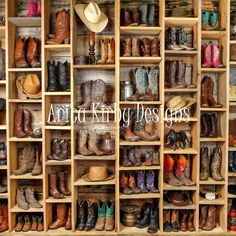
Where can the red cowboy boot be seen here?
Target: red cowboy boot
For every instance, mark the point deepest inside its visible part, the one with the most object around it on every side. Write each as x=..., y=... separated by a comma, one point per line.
x=207, y=55
x=216, y=56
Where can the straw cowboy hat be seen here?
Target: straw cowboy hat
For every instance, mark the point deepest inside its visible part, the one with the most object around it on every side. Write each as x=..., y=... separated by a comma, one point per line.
x=29, y=85
x=97, y=173
x=92, y=16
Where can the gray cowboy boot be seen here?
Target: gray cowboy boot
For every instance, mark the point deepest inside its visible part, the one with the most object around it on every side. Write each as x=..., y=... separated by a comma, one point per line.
x=204, y=170
x=151, y=15
x=144, y=12
x=87, y=95
x=216, y=161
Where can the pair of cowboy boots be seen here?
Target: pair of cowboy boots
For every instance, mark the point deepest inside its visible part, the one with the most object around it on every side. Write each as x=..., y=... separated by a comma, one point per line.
x=210, y=20
x=34, y=8
x=142, y=15
x=207, y=93
x=146, y=82
x=152, y=158
x=58, y=185
x=209, y=125
x=177, y=170
x=60, y=150
x=178, y=220
x=178, y=74
x=63, y=217
x=3, y=217
x=232, y=162
x=30, y=161
x=211, y=165
x=26, y=223
x=128, y=157
x=94, y=94
x=27, y=53
x=179, y=39
x=58, y=76
x=211, y=56
x=23, y=123
x=135, y=47
x=107, y=51
x=62, y=31
x=207, y=218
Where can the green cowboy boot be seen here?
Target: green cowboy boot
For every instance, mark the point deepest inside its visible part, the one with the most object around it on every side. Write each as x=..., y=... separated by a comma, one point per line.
x=101, y=216
x=205, y=20
x=110, y=219
x=213, y=20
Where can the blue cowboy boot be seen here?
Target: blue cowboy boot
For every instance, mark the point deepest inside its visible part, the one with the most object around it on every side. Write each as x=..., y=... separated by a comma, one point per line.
x=144, y=11
x=151, y=15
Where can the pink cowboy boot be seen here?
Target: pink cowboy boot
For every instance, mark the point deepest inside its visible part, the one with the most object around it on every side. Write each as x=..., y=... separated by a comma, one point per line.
x=38, y=8
x=207, y=55
x=216, y=56
x=32, y=8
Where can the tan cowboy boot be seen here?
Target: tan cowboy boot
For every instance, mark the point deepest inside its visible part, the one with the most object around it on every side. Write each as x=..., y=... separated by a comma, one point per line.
x=104, y=51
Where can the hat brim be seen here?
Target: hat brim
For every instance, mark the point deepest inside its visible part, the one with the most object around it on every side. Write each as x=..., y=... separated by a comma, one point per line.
x=86, y=178
x=19, y=84
x=95, y=27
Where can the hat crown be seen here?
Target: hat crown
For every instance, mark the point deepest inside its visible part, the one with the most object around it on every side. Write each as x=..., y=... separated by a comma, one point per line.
x=92, y=13
x=31, y=84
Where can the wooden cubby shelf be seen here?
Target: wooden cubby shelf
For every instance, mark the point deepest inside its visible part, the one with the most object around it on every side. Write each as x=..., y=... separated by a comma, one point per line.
x=66, y=199
x=81, y=182
x=135, y=30
x=101, y=158
x=122, y=168
x=140, y=196
x=16, y=209
x=171, y=206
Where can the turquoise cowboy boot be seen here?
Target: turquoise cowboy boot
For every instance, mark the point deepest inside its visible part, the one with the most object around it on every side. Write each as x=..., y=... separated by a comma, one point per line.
x=110, y=216
x=213, y=20
x=205, y=20
x=100, y=224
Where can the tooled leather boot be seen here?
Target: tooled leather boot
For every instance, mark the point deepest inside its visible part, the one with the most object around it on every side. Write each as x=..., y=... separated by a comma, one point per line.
x=32, y=9
x=204, y=92
x=82, y=208
x=183, y=221
x=141, y=183
x=20, y=60
x=92, y=215
x=110, y=216
x=145, y=220
x=148, y=158
x=216, y=56
x=30, y=198
x=27, y=123
x=214, y=125
x=146, y=47
x=53, y=187
x=63, y=77
x=27, y=224
x=211, y=99
x=20, y=223
x=68, y=220
x=204, y=169
x=19, y=131
x=211, y=219
x=132, y=185
x=100, y=224
x=216, y=161
x=127, y=17
x=65, y=150
x=170, y=74
x=175, y=220
x=111, y=51
x=52, y=77
x=207, y=56
x=20, y=199
x=62, y=184
x=135, y=16
x=92, y=144
x=37, y=170
x=61, y=216
x=104, y=51
x=34, y=223
x=33, y=53
x=132, y=157
x=135, y=47
x=166, y=221
x=124, y=158
x=150, y=181
x=62, y=28
x=127, y=47
x=205, y=124
x=56, y=150
x=180, y=75
x=82, y=144
x=144, y=13
x=190, y=224
x=40, y=226
x=124, y=184
x=87, y=95
x=154, y=47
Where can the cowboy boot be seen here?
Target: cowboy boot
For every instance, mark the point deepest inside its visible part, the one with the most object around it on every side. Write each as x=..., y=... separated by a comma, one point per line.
x=87, y=95
x=62, y=184
x=37, y=169
x=127, y=17
x=135, y=16
x=156, y=158
x=145, y=220
x=3, y=153
x=111, y=51
x=100, y=224
x=204, y=92
x=184, y=40
x=170, y=36
x=151, y=15
x=211, y=99
x=207, y=55
x=27, y=123
x=213, y=20
x=124, y=158
x=19, y=131
x=20, y=223
x=65, y=150
x=33, y=53
x=92, y=144
x=146, y=47
x=169, y=176
x=135, y=47
x=179, y=170
x=183, y=221
x=214, y=125
x=110, y=216
x=216, y=161
x=29, y=196
x=20, y=60
x=153, y=225
x=124, y=184
x=27, y=224
x=166, y=221
x=53, y=187
x=56, y=150
x=20, y=199
x=127, y=47
x=4, y=225
x=150, y=180
x=175, y=220
x=144, y=13
x=104, y=51
x=52, y=77
x=180, y=75
x=211, y=219
x=92, y=216
x=2, y=64
x=62, y=28
x=82, y=208
x=39, y=8
x=81, y=144
x=68, y=220
x=232, y=167
x=190, y=224
x=34, y=223
x=40, y=226
x=187, y=172
x=129, y=136
x=154, y=47
x=132, y=157
x=204, y=170
x=148, y=158
x=32, y=9
x=189, y=75
x=141, y=181
x=63, y=78
x=132, y=185
x=205, y=20
x=205, y=125
x=170, y=74
x=61, y=217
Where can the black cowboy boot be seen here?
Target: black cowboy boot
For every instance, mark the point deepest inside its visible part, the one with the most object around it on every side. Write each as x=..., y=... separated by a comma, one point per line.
x=232, y=167
x=82, y=208
x=52, y=77
x=63, y=72
x=92, y=216
x=144, y=222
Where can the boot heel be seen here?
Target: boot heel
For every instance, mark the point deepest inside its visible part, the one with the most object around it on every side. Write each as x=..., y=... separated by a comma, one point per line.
x=66, y=40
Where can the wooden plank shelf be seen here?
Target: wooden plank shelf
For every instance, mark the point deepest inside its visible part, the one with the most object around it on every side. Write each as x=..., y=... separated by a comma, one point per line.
x=210, y=181
x=232, y=149
x=95, y=232
x=213, y=34
x=58, y=47
x=232, y=41
x=24, y=70
x=140, y=196
x=219, y=139
x=25, y=21
x=3, y=82
x=140, y=143
x=219, y=201
x=14, y=139
x=171, y=206
x=133, y=230
x=57, y=127
x=3, y=167
x=183, y=119
x=66, y=199
x=57, y=93
x=181, y=90
x=3, y=127
x=58, y=163
x=142, y=167
x=180, y=21
x=180, y=151
x=4, y=195
x=135, y=30
x=97, y=158
x=231, y=195
x=95, y=67
x=81, y=182
x=26, y=176
x=212, y=109
x=16, y=209
x=183, y=188
x=140, y=102
x=25, y=100
x=231, y=174
x=213, y=70
x=138, y=60
x=181, y=52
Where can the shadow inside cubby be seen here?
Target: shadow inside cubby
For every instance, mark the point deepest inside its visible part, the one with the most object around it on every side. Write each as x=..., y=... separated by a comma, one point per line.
x=232, y=84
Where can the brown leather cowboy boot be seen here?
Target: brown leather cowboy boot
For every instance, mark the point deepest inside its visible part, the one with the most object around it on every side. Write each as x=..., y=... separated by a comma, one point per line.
x=154, y=47
x=61, y=217
x=124, y=158
x=19, y=131
x=104, y=51
x=87, y=95
x=27, y=123
x=205, y=125
x=135, y=47
x=146, y=47
x=211, y=219
x=62, y=184
x=111, y=51
x=190, y=224
x=170, y=74
x=127, y=17
x=132, y=184
x=124, y=184
x=127, y=47
x=68, y=220
x=204, y=92
x=82, y=144
x=204, y=170
x=211, y=100
x=62, y=28
x=92, y=144
x=216, y=161
x=180, y=75
x=20, y=60
x=128, y=135
x=4, y=224
x=65, y=150
x=53, y=187
x=213, y=125
x=132, y=157
x=135, y=16
x=33, y=53
x=37, y=170
x=183, y=221
x=56, y=150
x=203, y=216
